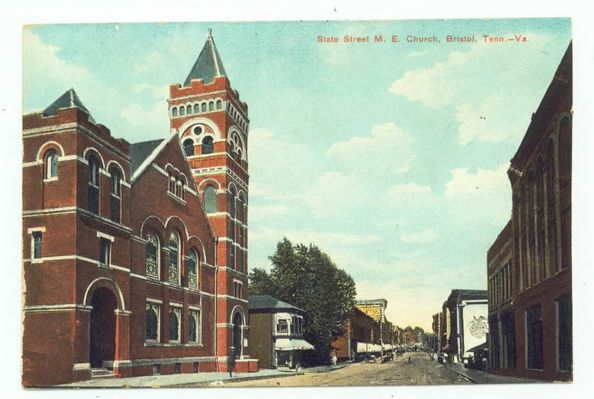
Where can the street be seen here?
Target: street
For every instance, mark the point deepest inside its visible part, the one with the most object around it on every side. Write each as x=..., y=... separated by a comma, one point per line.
x=421, y=370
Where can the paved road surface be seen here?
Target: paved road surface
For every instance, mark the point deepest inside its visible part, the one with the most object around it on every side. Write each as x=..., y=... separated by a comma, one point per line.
x=419, y=371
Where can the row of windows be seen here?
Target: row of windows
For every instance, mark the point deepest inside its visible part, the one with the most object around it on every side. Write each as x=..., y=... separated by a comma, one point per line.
x=93, y=191
x=177, y=186
x=207, y=146
x=294, y=324
x=152, y=261
x=500, y=285
x=538, y=214
x=563, y=339
x=197, y=108
x=174, y=322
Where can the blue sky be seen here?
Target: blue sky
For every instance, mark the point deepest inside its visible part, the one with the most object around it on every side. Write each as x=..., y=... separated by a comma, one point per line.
x=391, y=157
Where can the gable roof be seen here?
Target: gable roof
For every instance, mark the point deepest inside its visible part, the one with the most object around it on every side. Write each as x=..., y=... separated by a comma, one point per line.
x=269, y=303
x=140, y=151
x=67, y=100
x=208, y=65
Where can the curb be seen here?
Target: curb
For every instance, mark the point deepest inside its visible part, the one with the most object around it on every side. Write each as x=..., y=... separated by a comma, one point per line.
x=472, y=380
x=240, y=379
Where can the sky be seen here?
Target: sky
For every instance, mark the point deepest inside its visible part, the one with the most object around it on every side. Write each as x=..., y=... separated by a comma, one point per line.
x=391, y=157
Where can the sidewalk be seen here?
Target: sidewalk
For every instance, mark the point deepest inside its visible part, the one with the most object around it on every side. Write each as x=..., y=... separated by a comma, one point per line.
x=178, y=380
x=482, y=377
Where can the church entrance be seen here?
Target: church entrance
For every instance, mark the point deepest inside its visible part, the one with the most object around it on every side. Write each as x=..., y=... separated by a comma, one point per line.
x=237, y=334
x=102, y=328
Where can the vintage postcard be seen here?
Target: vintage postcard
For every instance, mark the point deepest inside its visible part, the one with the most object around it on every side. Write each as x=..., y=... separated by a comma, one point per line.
x=319, y=203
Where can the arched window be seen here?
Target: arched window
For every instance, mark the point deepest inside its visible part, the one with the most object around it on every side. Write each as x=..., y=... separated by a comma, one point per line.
x=551, y=208
x=565, y=144
x=207, y=145
x=174, y=317
x=152, y=322
x=241, y=218
x=189, y=147
x=171, y=183
x=231, y=202
x=174, y=111
x=189, y=110
x=219, y=104
x=196, y=108
x=93, y=185
x=115, y=195
x=151, y=256
x=182, y=111
x=178, y=188
x=192, y=268
x=203, y=107
x=211, y=106
x=210, y=200
x=51, y=164
x=174, y=258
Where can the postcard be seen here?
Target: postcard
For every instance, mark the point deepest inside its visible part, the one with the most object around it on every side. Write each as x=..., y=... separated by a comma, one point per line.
x=297, y=204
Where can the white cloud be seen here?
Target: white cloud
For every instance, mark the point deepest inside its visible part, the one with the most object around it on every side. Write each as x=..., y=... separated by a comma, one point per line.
x=388, y=148
x=156, y=92
x=152, y=61
x=482, y=195
x=46, y=76
x=409, y=189
x=422, y=237
x=135, y=115
x=494, y=88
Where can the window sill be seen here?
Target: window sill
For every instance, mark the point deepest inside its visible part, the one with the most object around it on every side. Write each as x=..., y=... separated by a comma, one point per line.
x=50, y=179
x=37, y=260
x=176, y=198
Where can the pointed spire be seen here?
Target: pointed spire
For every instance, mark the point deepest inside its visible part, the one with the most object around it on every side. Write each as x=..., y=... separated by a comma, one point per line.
x=208, y=65
x=67, y=100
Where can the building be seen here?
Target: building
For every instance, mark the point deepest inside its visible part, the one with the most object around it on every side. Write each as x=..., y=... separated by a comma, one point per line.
x=465, y=316
x=276, y=332
x=376, y=309
x=540, y=177
x=500, y=272
x=135, y=255
x=360, y=339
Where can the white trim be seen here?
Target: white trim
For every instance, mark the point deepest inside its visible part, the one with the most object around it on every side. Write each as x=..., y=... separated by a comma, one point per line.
x=33, y=229
x=55, y=308
x=121, y=268
x=140, y=276
x=160, y=361
x=154, y=300
x=176, y=304
x=81, y=366
x=42, y=150
x=221, y=296
x=115, y=286
x=150, y=159
x=106, y=236
x=50, y=179
x=200, y=120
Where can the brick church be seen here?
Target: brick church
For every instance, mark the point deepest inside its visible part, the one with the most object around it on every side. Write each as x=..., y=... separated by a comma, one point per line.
x=135, y=255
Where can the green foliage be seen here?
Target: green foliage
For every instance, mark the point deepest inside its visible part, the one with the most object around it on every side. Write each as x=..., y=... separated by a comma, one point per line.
x=306, y=277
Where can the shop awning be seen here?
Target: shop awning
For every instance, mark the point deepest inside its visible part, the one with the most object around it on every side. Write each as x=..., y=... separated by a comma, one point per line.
x=363, y=347
x=388, y=347
x=289, y=344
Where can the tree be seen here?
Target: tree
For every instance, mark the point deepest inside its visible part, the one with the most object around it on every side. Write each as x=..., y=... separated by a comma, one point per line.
x=306, y=277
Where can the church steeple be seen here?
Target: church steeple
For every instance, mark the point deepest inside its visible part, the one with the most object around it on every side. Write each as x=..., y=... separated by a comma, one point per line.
x=208, y=65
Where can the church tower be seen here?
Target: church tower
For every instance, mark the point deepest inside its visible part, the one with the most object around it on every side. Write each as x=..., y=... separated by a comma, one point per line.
x=212, y=123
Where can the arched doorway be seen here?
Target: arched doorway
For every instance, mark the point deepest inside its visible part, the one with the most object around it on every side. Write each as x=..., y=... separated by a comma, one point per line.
x=102, y=328
x=238, y=334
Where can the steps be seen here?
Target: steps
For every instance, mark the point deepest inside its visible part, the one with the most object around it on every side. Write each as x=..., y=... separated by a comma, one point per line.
x=102, y=372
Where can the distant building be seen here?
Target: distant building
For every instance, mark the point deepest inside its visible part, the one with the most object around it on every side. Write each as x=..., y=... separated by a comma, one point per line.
x=361, y=337
x=376, y=309
x=466, y=322
x=540, y=283
x=276, y=332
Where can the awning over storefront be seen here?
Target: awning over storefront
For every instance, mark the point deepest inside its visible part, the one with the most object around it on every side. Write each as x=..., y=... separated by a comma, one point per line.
x=388, y=347
x=289, y=344
x=363, y=347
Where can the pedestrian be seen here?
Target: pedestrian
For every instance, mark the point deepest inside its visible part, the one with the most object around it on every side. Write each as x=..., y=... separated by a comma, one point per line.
x=231, y=361
x=334, y=360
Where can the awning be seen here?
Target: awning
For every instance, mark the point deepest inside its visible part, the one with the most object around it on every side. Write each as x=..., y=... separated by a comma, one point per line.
x=290, y=344
x=482, y=347
x=388, y=347
x=363, y=347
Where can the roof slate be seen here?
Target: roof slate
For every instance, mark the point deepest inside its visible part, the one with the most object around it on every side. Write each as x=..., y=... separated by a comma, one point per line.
x=268, y=302
x=67, y=100
x=208, y=65
x=140, y=151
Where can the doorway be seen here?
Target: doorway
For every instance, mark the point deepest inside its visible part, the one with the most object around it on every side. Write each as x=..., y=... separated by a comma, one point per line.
x=237, y=334
x=102, y=328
